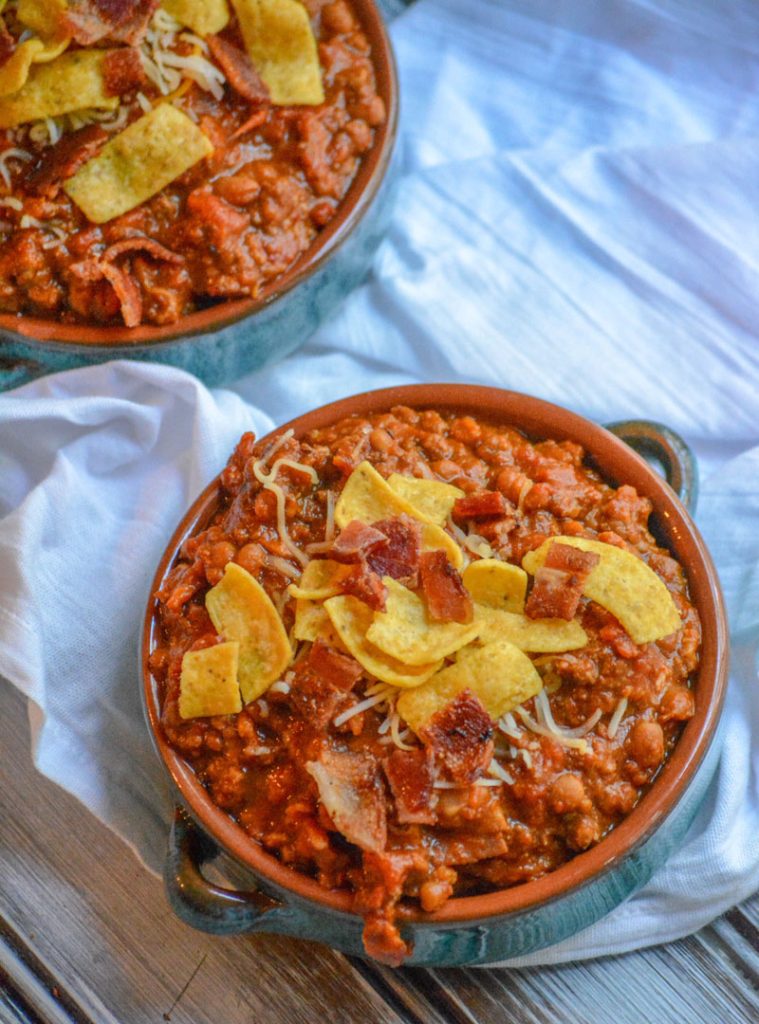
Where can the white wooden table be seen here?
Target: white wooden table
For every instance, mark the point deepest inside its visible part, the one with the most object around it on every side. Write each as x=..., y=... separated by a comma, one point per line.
x=87, y=937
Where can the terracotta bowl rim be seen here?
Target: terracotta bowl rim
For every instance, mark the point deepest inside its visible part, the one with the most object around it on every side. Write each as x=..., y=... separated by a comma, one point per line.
x=673, y=522
x=84, y=338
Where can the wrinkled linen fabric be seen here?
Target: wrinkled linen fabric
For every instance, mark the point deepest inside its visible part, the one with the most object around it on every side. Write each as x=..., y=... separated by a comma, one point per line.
x=574, y=220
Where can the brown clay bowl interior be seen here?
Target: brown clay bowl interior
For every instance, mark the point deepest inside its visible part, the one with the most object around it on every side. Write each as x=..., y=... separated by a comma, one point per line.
x=358, y=198
x=674, y=528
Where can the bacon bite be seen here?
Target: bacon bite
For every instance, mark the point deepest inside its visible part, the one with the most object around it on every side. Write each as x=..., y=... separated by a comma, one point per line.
x=445, y=594
x=239, y=70
x=399, y=557
x=558, y=583
x=356, y=541
x=122, y=21
x=410, y=774
x=123, y=71
x=350, y=789
x=65, y=158
x=340, y=670
x=460, y=737
x=483, y=505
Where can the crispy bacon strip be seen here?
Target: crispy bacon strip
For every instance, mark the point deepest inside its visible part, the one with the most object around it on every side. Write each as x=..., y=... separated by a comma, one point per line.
x=410, y=774
x=356, y=541
x=315, y=699
x=127, y=292
x=124, y=286
x=558, y=584
x=123, y=71
x=460, y=736
x=366, y=585
x=141, y=244
x=255, y=120
x=399, y=558
x=350, y=789
x=60, y=161
x=93, y=21
x=445, y=594
x=239, y=70
x=483, y=505
x=335, y=668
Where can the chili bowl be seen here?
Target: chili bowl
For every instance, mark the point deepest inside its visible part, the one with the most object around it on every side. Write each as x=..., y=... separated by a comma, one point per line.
x=530, y=916
x=222, y=342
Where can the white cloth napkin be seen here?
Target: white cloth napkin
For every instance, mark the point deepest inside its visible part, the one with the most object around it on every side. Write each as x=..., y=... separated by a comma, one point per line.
x=580, y=182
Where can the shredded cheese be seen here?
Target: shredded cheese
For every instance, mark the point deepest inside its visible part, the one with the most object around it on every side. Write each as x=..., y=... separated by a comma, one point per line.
x=616, y=718
x=555, y=734
x=329, y=528
x=268, y=482
x=498, y=772
x=364, y=705
x=282, y=566
x=508, y=726
x=14, y=153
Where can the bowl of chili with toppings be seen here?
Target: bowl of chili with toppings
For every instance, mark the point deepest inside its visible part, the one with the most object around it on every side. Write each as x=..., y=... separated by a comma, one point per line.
x=196, y=183
x=442, y=666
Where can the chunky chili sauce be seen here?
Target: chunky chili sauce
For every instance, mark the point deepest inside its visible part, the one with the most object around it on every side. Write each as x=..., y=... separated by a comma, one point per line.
x=617, y=707
x=225, y=228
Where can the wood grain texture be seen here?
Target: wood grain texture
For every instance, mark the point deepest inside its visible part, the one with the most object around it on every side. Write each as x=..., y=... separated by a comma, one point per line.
x=90, y=939
x=93, y=918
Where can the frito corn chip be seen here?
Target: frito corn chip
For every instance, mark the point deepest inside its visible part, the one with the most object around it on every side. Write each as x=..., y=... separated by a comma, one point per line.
x=404, y=630
x=280, y=42
x=137, y=163
x=496, y=584
x=369, y=498
x=352, y=618
x=208, y=683
x=41, y=16
x=203, y=16
x=15, y=71
x=241, y=610
x=320, y=580
x=544, y=636
x=624, y=585
x=433, y=498
x=311, y=620
x=72, y=81
x=498, y=674
x=51, y=48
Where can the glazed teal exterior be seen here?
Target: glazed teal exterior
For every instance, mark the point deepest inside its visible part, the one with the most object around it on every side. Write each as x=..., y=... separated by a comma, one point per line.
x=436, y=944
x=222, y=357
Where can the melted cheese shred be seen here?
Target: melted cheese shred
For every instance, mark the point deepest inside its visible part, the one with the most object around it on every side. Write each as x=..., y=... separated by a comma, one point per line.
x=616, y=718
x=268, y=482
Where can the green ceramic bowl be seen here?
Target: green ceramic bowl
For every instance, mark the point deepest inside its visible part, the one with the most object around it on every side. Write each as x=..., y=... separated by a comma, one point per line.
x=528, y=917
x=224, y=342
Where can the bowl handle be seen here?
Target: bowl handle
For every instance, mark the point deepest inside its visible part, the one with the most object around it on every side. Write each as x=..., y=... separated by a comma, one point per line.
x=16, y=370
x=208, y=907
x=658, y=444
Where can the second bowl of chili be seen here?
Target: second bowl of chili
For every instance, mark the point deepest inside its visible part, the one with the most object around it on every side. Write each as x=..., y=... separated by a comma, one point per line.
x=241, y=257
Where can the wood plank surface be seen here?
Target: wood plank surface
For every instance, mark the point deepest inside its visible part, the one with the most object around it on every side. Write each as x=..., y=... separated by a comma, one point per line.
x=89, y=938
x=80, y=910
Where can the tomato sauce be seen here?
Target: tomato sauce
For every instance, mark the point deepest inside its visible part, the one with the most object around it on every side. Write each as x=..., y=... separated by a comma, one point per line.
x=627, y=701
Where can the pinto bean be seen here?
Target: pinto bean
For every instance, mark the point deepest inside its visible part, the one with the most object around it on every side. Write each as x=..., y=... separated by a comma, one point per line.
x=645, y=744
x=567, y=794
x=677, y=704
